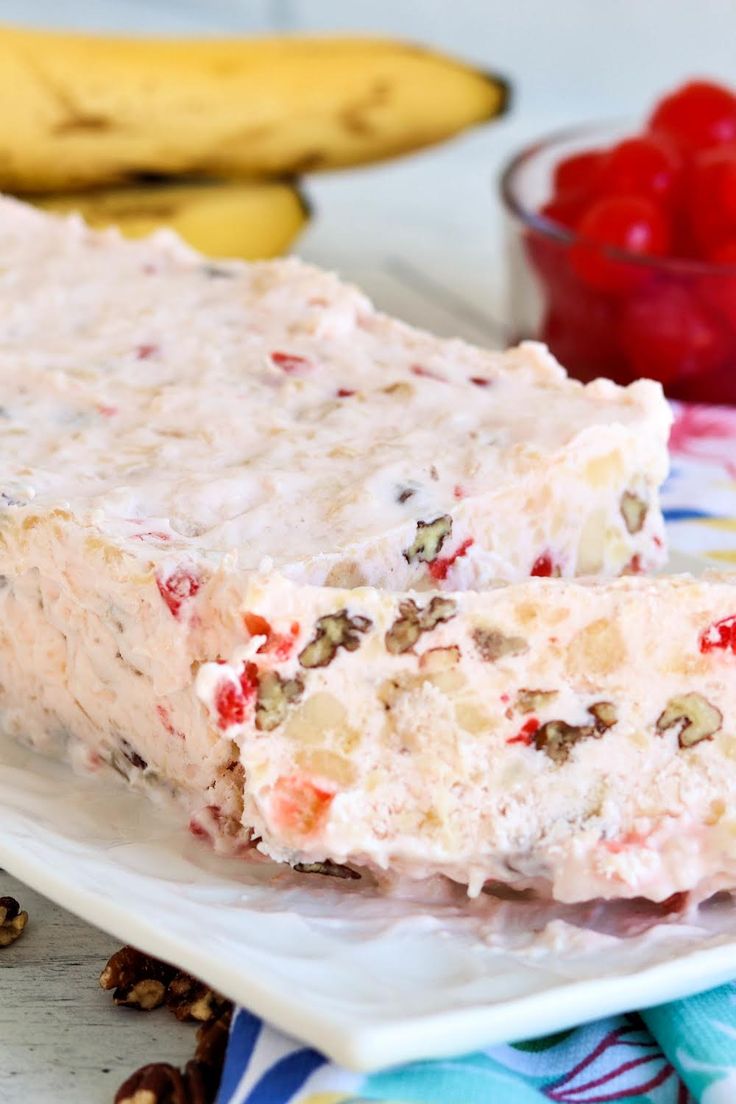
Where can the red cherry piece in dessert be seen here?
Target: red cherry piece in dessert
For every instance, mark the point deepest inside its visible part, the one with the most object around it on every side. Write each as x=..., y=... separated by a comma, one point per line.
x=720, y=637
x=229, y=704
x=439, y=568
x=290, y=362
x=577, y=173
x=646, y=166
x=145, y=352
x=544, y=566
x=629, y=224
x=697, y=116
x=249, y=681
x=667, y=335
x=525, y=735
x=177, y=588
x=299, y=806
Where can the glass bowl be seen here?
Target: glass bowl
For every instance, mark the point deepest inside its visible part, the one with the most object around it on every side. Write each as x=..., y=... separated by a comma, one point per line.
x=669, y=319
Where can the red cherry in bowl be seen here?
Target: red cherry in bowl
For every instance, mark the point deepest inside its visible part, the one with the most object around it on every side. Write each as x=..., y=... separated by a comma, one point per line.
x=627, y=223
x=648, y=166
x=697, y=116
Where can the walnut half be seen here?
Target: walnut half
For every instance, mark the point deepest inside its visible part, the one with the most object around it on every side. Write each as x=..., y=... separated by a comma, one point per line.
x=693, y=716
x=429, y=538
x=333, y=631
x=557, y=738
x=138, y=980
x=275, y=695
x=413, y=621
x=12, y=921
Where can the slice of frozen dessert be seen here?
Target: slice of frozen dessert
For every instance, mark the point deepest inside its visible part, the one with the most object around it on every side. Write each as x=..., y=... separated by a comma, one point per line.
x=576, y=737
x=170, y=426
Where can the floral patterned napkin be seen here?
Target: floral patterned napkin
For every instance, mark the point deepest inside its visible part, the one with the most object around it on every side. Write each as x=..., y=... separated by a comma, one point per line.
x=677, y=1053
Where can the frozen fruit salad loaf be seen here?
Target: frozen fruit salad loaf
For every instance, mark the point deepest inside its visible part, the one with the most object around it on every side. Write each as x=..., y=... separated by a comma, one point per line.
x=171, y=427
x=573, y=737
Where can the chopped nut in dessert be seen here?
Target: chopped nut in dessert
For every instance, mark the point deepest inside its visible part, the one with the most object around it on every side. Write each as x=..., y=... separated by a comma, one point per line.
x=334, y=630
x=402, y=389
x=493, y=644
x=138, y=980
x=556, y=738
x=532, y=701
x=429, y=538
x=328, y=868
x=605, y=715
x=693, y=716
x=12, y=921
x=132, y=755
x=440, y=659
x=634, y=512
x=275, y=695
x=412, y=622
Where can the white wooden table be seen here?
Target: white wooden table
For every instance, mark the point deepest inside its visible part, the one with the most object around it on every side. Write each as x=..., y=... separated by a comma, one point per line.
x=422, y=236
x=61, y=1037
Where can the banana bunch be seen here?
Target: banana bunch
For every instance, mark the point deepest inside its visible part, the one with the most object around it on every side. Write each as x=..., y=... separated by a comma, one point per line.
x=85, y=111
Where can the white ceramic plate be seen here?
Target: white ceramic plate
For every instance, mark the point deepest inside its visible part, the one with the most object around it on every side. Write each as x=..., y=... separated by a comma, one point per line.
x=369, y=980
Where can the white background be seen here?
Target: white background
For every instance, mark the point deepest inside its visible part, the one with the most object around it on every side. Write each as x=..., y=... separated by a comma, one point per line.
x=422, y=236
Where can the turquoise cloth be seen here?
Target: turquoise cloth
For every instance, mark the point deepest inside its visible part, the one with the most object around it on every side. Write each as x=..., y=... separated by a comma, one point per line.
x=678, y=1053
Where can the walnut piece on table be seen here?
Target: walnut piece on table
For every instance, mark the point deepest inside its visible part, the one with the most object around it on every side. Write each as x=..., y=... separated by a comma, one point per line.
x=12, y=921
x=142, y=982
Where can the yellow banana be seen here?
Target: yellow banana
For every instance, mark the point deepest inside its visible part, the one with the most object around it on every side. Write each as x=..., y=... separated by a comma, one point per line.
x=79, y=110
x=250, y=220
